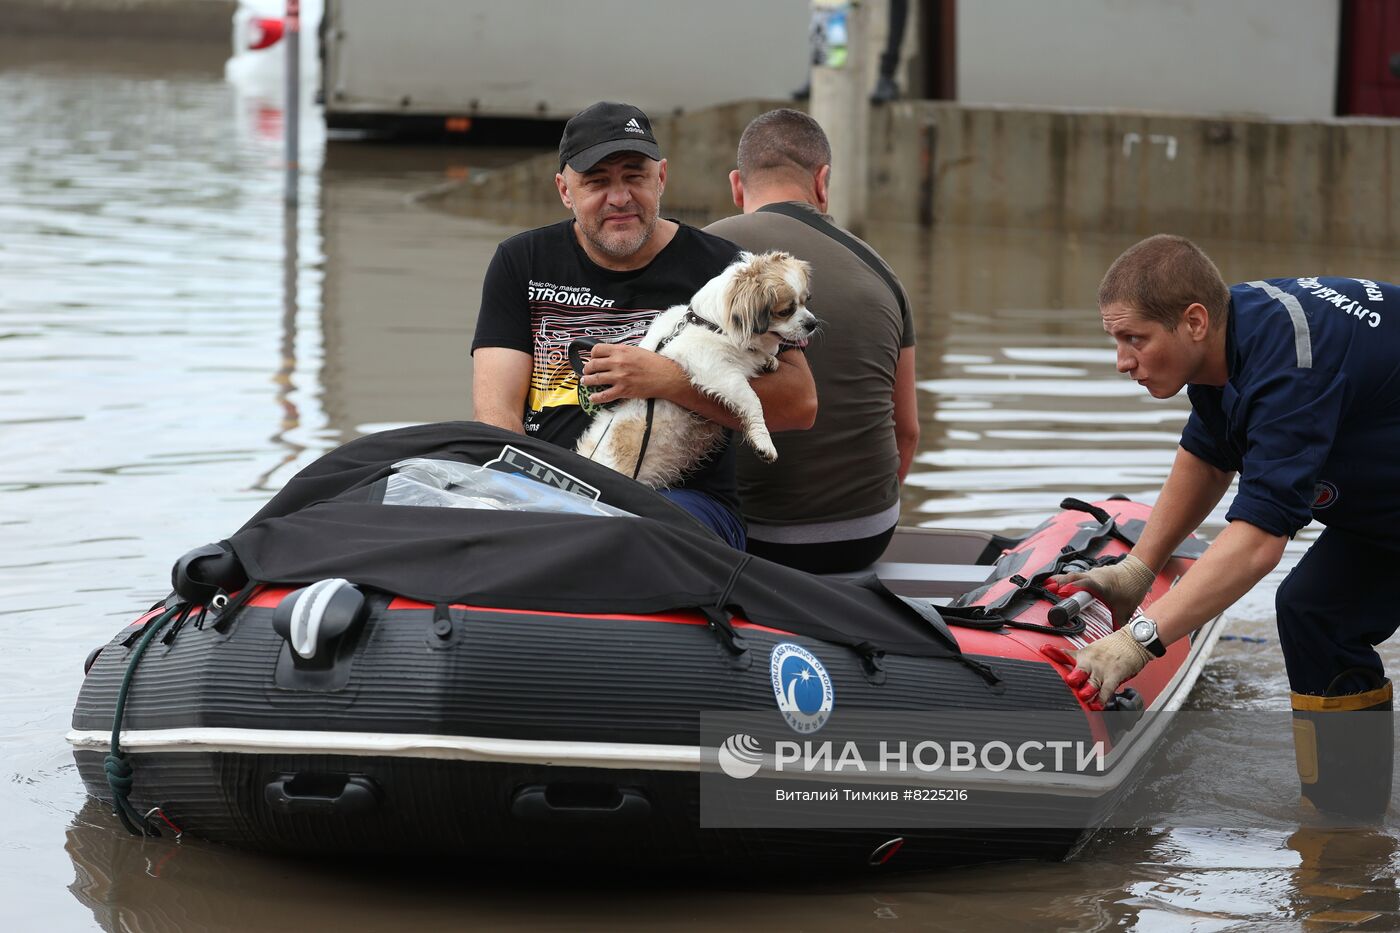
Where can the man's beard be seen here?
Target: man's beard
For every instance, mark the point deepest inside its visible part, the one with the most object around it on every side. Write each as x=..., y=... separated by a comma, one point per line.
x=619, y=245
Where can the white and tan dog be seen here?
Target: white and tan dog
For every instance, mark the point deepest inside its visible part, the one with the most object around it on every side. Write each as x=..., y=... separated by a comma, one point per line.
x=730, y=333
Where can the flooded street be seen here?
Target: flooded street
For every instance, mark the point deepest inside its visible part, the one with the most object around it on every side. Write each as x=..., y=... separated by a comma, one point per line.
x=164, y=367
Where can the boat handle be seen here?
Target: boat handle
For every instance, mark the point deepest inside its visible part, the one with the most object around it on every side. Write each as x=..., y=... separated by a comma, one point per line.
x=1064, y=612
x=356, y=795
x=626, y=805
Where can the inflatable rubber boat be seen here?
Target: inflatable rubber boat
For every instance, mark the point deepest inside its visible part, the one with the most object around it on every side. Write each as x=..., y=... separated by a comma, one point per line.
x=449, y=639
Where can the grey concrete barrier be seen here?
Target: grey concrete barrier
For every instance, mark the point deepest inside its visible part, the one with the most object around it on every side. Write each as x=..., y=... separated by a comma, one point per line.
x=1334, y=182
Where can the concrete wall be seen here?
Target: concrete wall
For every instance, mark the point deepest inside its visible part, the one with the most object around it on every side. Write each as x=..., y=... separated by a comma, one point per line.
x=1275, y=58
x=189, y=20
x=1333, y=181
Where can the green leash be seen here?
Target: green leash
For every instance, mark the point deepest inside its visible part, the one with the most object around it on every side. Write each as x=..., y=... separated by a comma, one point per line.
x=585, y=401
x=117, y=766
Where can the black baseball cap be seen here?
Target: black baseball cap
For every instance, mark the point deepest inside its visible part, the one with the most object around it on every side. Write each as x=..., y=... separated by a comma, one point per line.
x=598, y=131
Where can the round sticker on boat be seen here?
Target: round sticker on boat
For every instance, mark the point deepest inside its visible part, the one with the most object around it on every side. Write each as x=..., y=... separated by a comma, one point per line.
x=1324, y=494
x=802, y=687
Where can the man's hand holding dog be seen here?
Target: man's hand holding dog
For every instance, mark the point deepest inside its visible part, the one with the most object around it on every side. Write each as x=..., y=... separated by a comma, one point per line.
x=631, y=372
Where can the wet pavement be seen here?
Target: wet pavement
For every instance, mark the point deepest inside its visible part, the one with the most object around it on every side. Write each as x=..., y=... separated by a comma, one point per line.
x=174, y=346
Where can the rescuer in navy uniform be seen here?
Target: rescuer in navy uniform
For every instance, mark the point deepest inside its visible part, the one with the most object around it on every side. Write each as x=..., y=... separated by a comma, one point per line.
x=1294, y=386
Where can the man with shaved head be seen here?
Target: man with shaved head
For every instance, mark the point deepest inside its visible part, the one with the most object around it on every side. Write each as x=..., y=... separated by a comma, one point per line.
x=831, y=501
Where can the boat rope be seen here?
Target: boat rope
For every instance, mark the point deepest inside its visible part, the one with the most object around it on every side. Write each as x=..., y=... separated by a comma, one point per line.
x=118, y=767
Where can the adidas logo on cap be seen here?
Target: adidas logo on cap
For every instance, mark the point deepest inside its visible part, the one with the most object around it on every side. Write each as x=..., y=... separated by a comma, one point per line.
x=603, y=129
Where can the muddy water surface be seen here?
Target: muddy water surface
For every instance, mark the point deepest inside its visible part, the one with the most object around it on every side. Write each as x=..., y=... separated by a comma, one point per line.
x=174, y=346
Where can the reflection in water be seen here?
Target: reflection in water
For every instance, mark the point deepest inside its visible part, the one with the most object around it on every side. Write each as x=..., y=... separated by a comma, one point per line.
x=1355, y=870
x=401, y=286
x=284, y=378
x=167, y=359
x=1147, y=880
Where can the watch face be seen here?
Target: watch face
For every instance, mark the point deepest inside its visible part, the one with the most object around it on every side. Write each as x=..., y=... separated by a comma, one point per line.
x=1144, y=630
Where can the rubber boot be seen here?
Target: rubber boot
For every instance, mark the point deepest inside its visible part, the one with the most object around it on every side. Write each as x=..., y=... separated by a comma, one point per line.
x=1345, y=750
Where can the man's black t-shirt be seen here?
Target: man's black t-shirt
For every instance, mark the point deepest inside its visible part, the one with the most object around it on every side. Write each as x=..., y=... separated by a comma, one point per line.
x=542, y=292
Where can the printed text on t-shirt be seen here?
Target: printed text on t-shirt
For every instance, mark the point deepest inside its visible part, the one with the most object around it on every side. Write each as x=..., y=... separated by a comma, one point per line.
x=576, y=295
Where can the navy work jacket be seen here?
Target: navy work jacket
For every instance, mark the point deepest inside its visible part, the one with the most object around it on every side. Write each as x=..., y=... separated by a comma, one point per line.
x=1310, y=416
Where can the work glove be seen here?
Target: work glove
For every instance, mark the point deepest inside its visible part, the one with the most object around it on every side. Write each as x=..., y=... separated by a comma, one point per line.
x=1102, y=667
x=1120, y=586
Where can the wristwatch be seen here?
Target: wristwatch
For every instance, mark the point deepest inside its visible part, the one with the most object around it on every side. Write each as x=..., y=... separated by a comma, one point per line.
x=1144, y=632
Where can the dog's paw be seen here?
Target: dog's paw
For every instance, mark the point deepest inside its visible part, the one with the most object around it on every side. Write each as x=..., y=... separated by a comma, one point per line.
x=770, y=364
x=764, y=448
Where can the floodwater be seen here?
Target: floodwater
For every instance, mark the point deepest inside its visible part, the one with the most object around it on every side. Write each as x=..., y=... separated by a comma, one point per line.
x=174, y=346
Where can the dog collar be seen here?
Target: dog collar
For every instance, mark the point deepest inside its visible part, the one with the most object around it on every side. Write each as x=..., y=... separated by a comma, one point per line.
x=690, y=318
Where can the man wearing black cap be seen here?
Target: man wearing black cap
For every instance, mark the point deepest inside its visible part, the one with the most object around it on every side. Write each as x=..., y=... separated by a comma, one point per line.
x=605, y=274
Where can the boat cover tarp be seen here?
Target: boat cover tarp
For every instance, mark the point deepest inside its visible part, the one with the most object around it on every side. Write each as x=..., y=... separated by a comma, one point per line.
x=330, y=521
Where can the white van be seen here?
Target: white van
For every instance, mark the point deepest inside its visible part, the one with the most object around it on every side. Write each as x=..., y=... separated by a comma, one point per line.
x=451, y=62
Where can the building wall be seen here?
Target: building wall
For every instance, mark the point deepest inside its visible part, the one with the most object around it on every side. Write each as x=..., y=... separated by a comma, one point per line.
x=1274, y=58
